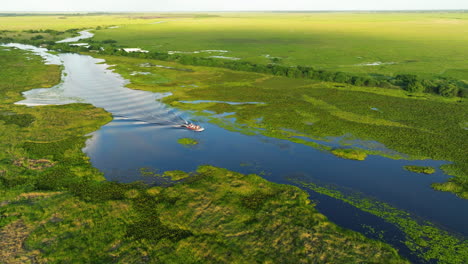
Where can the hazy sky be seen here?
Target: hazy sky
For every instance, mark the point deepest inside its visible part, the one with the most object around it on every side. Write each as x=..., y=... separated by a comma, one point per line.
x=225, y=5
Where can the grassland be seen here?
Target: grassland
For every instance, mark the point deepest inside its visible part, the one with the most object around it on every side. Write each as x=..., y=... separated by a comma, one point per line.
x=56, y=208
x=65, y=22
x=421, y=126
x=402, y=42
x=425, y=44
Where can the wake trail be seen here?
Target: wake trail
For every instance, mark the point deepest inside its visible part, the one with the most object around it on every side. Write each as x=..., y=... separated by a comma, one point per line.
x=84, y=80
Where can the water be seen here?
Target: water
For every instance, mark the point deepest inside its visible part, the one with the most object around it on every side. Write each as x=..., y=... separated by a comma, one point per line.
x=48, y=58
x=85, y=80
x=120, y=148
x=85, y=34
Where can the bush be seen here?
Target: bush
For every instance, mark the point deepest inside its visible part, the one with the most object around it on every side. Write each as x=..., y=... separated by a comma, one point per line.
x=256, y=200
x=448, y=90
x=37, y=37
x=92, y=191
x=109, y=41
x=21, y=120
x=55, y=179
x=414, y=87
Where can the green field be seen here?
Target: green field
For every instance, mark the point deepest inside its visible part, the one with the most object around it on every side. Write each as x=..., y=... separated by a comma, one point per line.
x=64, y=22
x=426, y=44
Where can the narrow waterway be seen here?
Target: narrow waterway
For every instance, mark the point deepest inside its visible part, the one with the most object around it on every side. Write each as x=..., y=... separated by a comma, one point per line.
x=143, y=134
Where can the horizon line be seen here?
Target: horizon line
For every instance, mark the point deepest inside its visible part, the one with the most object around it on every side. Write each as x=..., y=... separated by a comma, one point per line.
x=248, y=11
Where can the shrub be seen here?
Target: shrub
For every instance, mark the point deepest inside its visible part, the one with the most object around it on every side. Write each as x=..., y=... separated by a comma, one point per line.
x=448, y=90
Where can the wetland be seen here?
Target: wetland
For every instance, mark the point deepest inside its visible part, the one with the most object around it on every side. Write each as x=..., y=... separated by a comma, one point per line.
x=308, y=161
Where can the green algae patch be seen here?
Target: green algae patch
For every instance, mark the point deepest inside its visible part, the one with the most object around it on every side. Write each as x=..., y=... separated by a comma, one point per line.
x=451, y=186
x=420, y=169
x=351, y=154
x=176, y=175
x=187, y=141
x=422, y=237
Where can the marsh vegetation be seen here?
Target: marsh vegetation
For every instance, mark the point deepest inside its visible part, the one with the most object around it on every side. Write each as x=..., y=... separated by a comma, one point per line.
x=187, y=141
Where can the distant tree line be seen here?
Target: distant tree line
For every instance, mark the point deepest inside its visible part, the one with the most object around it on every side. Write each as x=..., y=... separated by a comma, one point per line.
x=444, y=86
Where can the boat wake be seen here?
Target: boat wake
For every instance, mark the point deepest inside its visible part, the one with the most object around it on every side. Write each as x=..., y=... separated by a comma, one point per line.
x=86, y=80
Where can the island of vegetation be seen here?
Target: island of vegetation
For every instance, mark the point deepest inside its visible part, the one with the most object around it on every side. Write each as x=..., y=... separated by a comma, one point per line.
x=420, y=169
x=187, y=141
x=350, y=154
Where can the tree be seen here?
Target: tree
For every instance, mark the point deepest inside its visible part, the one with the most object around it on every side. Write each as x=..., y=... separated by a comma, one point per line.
x=414, y=87
x=342, y=77
x=109, y=41
x=448, y=90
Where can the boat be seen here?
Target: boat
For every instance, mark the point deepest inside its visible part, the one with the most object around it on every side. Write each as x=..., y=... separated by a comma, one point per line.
x=193, y=127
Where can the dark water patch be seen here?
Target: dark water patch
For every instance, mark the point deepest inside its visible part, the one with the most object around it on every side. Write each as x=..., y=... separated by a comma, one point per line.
x=371, y=226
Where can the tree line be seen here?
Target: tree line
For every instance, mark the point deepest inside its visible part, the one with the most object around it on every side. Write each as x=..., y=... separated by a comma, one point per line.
x=444, y=86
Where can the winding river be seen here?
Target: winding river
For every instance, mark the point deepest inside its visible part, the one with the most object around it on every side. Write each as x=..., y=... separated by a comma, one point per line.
x=143, y=134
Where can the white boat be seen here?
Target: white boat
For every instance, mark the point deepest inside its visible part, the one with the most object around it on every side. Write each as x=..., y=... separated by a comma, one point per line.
x=193, y=127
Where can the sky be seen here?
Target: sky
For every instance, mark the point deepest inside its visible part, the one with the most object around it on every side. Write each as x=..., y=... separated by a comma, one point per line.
x=226, y=5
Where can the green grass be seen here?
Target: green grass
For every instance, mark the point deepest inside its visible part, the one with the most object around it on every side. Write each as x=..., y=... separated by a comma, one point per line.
x=421, y=127
x=420, y=169
x=187, y=141
x=64, y=22
x=334, y=41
